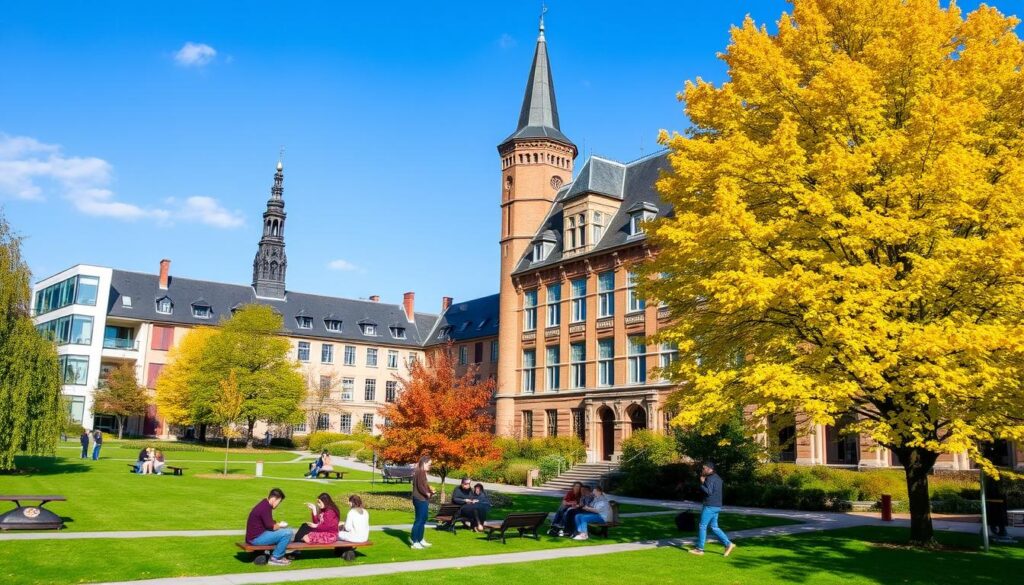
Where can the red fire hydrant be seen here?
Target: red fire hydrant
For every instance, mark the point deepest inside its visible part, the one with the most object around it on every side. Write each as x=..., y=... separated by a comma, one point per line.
x=887, y=507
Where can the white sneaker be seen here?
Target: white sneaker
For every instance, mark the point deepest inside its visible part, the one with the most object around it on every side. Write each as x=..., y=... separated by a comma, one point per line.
x=580, y=537
x=417, y=546
x=425, y=544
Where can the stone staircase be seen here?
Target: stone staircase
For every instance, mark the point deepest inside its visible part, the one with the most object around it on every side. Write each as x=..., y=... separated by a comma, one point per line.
x=588, y=473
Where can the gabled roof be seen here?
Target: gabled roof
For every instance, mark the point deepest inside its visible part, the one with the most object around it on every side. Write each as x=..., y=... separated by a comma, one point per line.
x=481, y=314
x=601, y=176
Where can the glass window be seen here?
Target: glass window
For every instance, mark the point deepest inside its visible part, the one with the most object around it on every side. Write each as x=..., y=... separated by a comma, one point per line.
x=463, y=355
x=81, y=290
x=126, y=302
x=323, y=421
x=393, y=359
x=552, y=379
x=325, y=382
x=528, y=424
x=327, y=353
x=578, y=365
x=634, y=224
x=637, y=360
x=398, y=332
x=350, y=355
x=369, y=329
x=304, y=322
x=201, y=312
x=299, y=428
x=390, y=390
x=494, y=352
x=76, y=408
x=635, y=302
x=348, y=386
x=368, y=421
x=579, y=300
x=164, y=306
x=88, y=286
x=606, y=294
x=554, y=305
x=529, y=373
x=571, y=233
x=371, y=357
x=345, y=423
x=598, y=227
x=669, y=353
x=370, y=390
x=606, y=362
x=530, y=310
x=552, y=419
x=303, y=351
x=581, y=231
x=412, y=359
x=333, y=325
x=75, y=369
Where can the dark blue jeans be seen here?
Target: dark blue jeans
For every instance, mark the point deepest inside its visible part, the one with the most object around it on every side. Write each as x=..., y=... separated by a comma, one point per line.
x=96, y=452
x=85, y=451
x=419, y=524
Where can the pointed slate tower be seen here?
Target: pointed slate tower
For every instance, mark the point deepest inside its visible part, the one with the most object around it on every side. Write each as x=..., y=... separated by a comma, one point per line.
x=536, y=160
x=268, y=269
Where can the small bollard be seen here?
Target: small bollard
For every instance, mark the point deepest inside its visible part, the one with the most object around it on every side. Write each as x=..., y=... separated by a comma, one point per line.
x=531, y=476
x=887, y=507
x=259, y=469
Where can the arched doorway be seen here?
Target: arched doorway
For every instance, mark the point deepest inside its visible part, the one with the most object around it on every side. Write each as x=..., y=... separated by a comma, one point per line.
x=607, y=432
x=637, y=418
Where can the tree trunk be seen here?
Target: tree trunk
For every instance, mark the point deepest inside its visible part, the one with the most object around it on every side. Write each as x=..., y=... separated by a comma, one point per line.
x=202, y=432
x=248, y=435
x=227, y=445
x=444, y=474
x=917, y=463
x=120, y=426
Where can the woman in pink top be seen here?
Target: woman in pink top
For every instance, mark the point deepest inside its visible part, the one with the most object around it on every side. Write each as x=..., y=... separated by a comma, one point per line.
x=323, y=529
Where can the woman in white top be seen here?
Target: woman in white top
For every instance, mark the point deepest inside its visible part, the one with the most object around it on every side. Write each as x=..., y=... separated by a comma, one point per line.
x=356, y=527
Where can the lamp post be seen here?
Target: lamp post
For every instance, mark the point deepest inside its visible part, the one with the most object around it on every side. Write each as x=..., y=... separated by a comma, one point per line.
x=984, y=513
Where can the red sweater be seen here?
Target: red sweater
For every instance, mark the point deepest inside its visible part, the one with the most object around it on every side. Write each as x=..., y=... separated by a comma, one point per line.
x=326, y=530
x=261, y=519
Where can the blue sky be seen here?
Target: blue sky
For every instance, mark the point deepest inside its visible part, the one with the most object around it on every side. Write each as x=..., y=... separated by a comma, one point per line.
x=130, y=132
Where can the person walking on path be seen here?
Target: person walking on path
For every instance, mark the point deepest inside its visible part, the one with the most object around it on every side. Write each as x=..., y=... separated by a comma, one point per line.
x=85, y=443
x=711, y=485
x=97, y=439
x=421, y=494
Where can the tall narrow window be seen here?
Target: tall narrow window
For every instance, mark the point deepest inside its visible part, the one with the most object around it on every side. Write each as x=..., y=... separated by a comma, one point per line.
x=345, y=423
x=581, y=230
x=551, y=366
x=370, y=390
x=325, y=383
x=579, y=300
x=348, y=385
x=390, y=390
x=606, y=362
x=637, y=360
x=530, y=310
x=635, y=302
x=303, y=351
x=393, y=359
x=529, y=371
x=554, y=305
x=371, y=357
x=552, y=416
x=578, y=357
x=327, y=353
x=368, y=421
x=350, y=355
x=494, y=352
x=606, y=294
x=570, y=232
x=463, y=355
x=598, y=227
x=669, y=353
x=528, y=424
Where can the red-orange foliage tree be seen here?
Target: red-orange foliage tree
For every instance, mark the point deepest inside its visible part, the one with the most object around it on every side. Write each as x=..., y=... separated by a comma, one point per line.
x=441, y=414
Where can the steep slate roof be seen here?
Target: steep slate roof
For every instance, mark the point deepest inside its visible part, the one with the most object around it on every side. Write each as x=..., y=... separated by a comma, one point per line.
x=539, y=115
x=480, y=314
x=637, y=188
x=144, y=289
x=601, y=176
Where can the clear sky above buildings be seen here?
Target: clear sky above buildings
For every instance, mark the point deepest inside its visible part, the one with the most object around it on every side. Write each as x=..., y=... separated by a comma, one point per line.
x=135, y=131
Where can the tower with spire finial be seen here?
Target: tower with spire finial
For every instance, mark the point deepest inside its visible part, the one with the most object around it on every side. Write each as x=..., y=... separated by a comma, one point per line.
x=268, y=269
x=536, y=160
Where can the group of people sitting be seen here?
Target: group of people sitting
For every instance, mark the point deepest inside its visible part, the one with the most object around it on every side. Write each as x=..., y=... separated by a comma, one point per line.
x=475, y=504
x=150, y=461
x=581, y=506
x=323, y=527
x=322, y=463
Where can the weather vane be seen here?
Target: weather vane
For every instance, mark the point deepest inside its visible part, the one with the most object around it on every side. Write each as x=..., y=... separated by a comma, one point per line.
x=543, y=11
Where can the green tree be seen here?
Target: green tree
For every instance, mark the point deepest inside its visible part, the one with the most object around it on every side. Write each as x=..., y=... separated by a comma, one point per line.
x=250, y=346
x=122, y=396
x=183, y=395
x=31, y=415
x=227, y=410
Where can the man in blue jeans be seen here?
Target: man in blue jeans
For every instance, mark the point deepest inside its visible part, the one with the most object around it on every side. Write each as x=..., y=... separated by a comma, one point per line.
x=84, y=439
x=261, y=529
x=97, y=440
x=711, y=485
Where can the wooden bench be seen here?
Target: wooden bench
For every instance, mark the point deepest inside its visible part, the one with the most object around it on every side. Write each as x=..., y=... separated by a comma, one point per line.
x=345, y=550
x=327, y=473
x=602, y=527
x=175, y=470
x=446, y=517
x=397, y=473
x=524, y=523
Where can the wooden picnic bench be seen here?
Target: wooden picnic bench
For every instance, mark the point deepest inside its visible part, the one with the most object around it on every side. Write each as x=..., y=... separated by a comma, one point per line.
x=327, y=473
x=397, y=473
x=343, y=549
x=31, y=517
x=602, y=527
x=528, y=522
x=446, y=516
x=175, y=470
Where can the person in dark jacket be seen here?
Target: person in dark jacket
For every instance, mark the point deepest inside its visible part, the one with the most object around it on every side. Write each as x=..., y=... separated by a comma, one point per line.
x=97, y=440
x=711, y=485
x=84, y=439
x=421, y=494
x=463, y=496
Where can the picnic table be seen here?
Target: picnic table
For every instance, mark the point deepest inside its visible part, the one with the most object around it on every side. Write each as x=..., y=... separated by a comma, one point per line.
x=31, y=517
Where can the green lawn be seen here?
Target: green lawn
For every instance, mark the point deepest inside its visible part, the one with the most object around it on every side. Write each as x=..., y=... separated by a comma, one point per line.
x=856, y=556
x=82, y=561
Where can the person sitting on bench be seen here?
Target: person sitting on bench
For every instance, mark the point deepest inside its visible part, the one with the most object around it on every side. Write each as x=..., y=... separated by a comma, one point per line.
x=598, y=511
x=140, y=464
x=323, y=529
x=261, y=530
x=463, y=496
x=569, y=502
x=322, y=463
x=478, y=508
x=569, y=522
x=357, y=523
x=159, y=463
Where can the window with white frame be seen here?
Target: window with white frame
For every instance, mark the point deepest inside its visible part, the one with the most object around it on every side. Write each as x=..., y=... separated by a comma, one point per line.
x=371, y=357
x=606, y=362
x=412, y=359
x=634, y=302
x=393, y=359
x=606, y=294
x=530, y=310
x=303, y=351
x=299, y=428
x=494, y=352
x=581, y=230
x=554, y=304
x=332, y=325
x=637, y=359
x=370, y=390
x=369, y=329
x=390, y=391
x=570, y=234
x=552, y=367
x=323, y=421
x=325, y=383
x=345, y=423
x=669, y=354
x=350, y=355
x=463, y=355
x=398, y=332
x=579, y=300
x=327, y=353
x=164, y=306
x=368, y=421
x=578, y=365
x=202, y=311
x=348, y=386
x=304, y=322
x=529, y=371
x=639, y=214
x=598, y=227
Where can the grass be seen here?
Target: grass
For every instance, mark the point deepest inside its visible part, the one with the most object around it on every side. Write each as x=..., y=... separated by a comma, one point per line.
x=854, y=556
x=51, y=561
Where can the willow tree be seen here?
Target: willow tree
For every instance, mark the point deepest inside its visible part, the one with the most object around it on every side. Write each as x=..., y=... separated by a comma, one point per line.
x=31, y=415
x=848, y=236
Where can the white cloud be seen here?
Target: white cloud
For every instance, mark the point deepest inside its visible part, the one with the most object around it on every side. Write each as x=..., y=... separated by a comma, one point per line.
x=195, y=54
x=506, y=41
x=30, y=169
x=343, y=265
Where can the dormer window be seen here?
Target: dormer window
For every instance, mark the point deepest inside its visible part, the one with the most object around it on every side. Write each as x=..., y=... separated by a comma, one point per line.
x=164, y=306
x=543, y=246
x=444, y=333
x=369, y=329
x=332, y=325
x=398, y=332
x=202, y=311
x=126, y=302
x=638, y=214
x=598, y=227
x=303, y=322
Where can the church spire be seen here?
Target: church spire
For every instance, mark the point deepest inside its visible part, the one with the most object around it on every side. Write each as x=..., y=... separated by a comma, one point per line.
x=270, y=264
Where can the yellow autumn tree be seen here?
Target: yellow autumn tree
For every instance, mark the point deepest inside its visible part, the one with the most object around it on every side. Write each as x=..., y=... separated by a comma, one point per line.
x=848, y=235
x=176, y=387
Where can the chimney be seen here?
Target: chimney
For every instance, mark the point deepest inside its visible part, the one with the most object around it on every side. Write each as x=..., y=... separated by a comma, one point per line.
x=409, y=301
x=374, y=298
x=446, y=302
x=165, y=269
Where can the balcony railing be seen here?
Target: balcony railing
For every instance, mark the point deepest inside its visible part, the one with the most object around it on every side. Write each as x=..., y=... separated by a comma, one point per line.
x=119, y=343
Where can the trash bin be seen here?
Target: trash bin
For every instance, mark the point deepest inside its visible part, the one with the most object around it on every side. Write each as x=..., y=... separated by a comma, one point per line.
x=259, y=469
x=887, y=507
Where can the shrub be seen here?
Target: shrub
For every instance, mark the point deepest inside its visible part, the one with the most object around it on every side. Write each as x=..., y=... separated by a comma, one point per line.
x=320, y=439
x=282, y=442
x=517, y=470
x=644, y=450
x=489, y=471
x=343, y=448
x=364, y=455
x=170, y=446
x=551, y=466
x=735, y=454
x=300, y=441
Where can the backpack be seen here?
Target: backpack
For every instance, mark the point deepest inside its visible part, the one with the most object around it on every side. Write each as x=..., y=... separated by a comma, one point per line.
x=685, y=521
